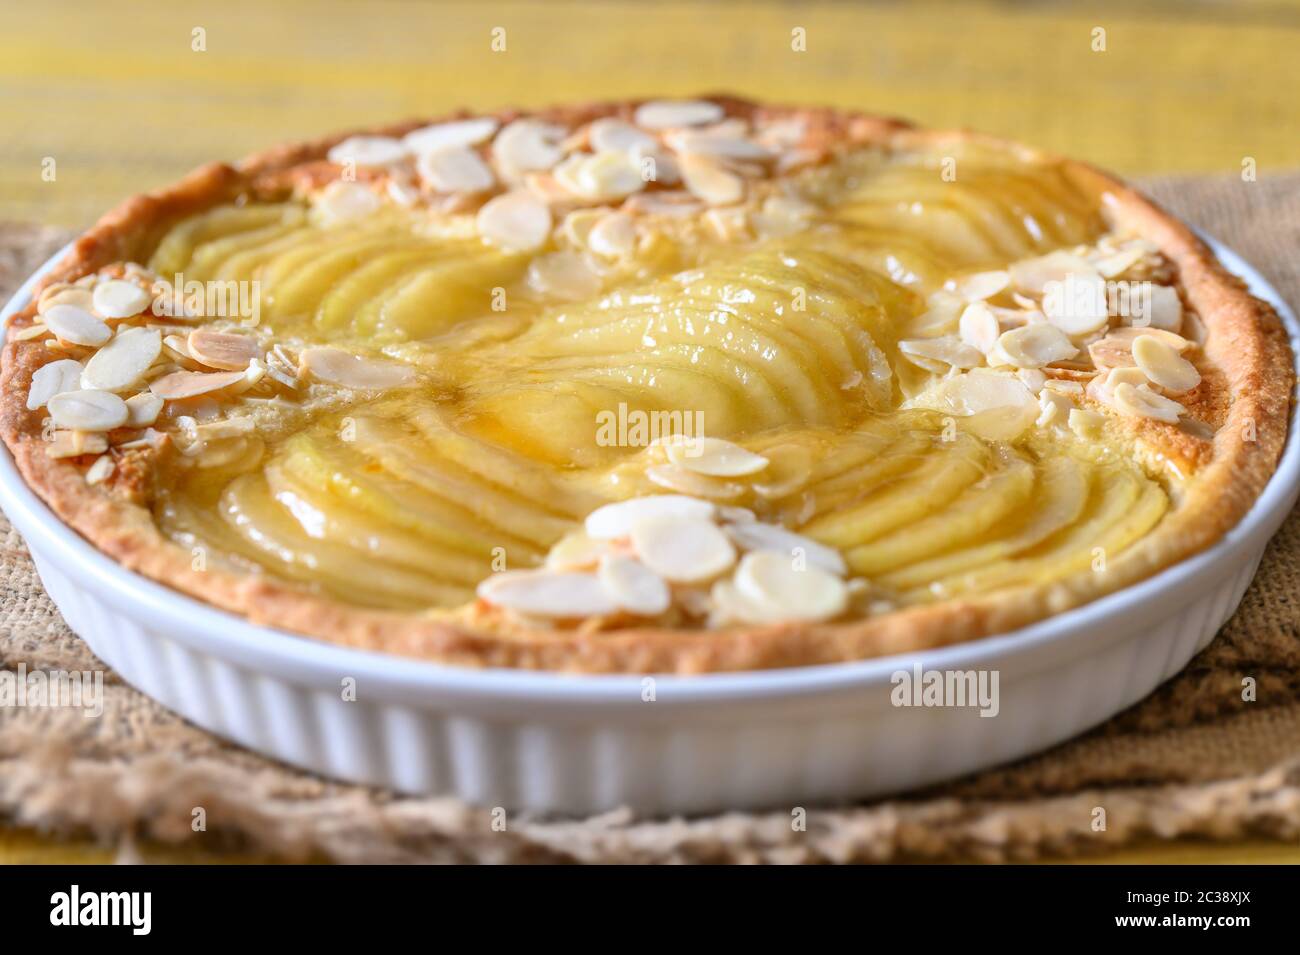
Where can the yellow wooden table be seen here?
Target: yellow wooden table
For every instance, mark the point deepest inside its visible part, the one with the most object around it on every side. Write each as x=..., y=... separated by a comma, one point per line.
x=118, y=98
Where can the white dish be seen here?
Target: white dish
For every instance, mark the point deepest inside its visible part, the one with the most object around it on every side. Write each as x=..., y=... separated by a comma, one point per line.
x=540, y=741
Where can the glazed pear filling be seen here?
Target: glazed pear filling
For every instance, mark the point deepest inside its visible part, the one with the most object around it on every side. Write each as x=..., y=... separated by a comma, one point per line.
x=785, y=343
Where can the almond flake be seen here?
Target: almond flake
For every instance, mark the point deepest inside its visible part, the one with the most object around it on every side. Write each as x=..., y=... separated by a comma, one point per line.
x=72, y=444
x=1032, y=378
x=563, y=275
x=1166, y=309
x=633, y=585
x=516, y=221
x=682, y=549
x=544, y=593
x=118, y=298
x=756, y=536
x=529, y=144
x=577, y=551
x=1077, y=304
x=76, y=325
x=979, y=327
x=122, y=363
x=342, y=202
x=1163, y=365
x=711, y=182
x=53, y=378
x=101, y=470
x=714, y=457
x=719, y=147
x=225, y=350
x=1033, y=275
x=83, y=298
x=679, y=479
x=946, y=350
x=614, y=135
x=190, y=384
x=342, y=368
x=1142, y=402
x=143, y=409
x=1033, y=346
x=35, y=330
x=368, y=151
x=674, y=204
x=982, y=285
x=615, y=520
x=455, y=169
x=770, y=580
x=669, y=114
x=613, y=235
x=460, y=132
x=87, y=410
x=1055, y=407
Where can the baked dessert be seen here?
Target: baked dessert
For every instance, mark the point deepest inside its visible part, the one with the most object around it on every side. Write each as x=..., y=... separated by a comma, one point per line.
x=646, y=387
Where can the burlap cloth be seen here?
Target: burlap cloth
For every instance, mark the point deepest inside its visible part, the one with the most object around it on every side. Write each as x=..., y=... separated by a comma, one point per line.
x=1194, y=759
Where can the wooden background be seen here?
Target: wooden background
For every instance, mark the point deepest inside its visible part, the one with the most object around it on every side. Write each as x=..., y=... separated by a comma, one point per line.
x=120, y=99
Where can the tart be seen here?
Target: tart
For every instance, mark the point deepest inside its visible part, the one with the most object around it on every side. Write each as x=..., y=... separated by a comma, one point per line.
x=659, y=386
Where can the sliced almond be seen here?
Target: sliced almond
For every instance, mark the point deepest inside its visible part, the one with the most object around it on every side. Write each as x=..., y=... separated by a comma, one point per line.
x=143, y=409
x=756, y=536
x=1032, y=378
x=34, y=330
x=455, y=169
x=1056, y=408
x=682, y=481
x=979, y=327
x=613, y=235
x=633, y=585
x=577, y=551
x=1033, y=346
x=341, y=202
x=1077, y=303
x=729, y=224
x=700, y=143
x=674, y=204
x=772, y=581
x=715, y=457
x=66, y=295
x=190, y=384
x=944, y=349
x=615, y=520
x=982, y=285
x=563, y=275
x=1142, y=402
x=71, y=444
x=53, y=378
x=1033, y=275
x=516, y=221
x=76, y=325
x=529, y=144
x=368, y=151
x=87, y=410
x=682, y=549
x=225, y=350
x=118, y=298
x=460, y=132
x=1166, y=309
x=614, y=135
x=711, y=182
x=342, y=368
x=1163, y=365
x=544, y=593
x=122, y=363
x=670, y=114
x=609, y=176
x=101, y=470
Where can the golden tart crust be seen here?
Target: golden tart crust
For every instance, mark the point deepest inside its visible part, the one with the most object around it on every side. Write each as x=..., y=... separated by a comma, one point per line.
x=1246, y=389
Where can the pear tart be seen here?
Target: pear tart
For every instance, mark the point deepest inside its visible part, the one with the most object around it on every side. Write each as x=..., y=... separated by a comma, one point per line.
x=666, y=386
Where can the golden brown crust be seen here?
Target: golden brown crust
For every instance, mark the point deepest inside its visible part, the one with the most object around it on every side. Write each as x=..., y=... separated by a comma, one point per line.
x=1250, y=392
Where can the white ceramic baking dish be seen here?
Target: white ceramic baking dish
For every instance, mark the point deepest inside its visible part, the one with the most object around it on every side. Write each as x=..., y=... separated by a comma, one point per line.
x=568, y=744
